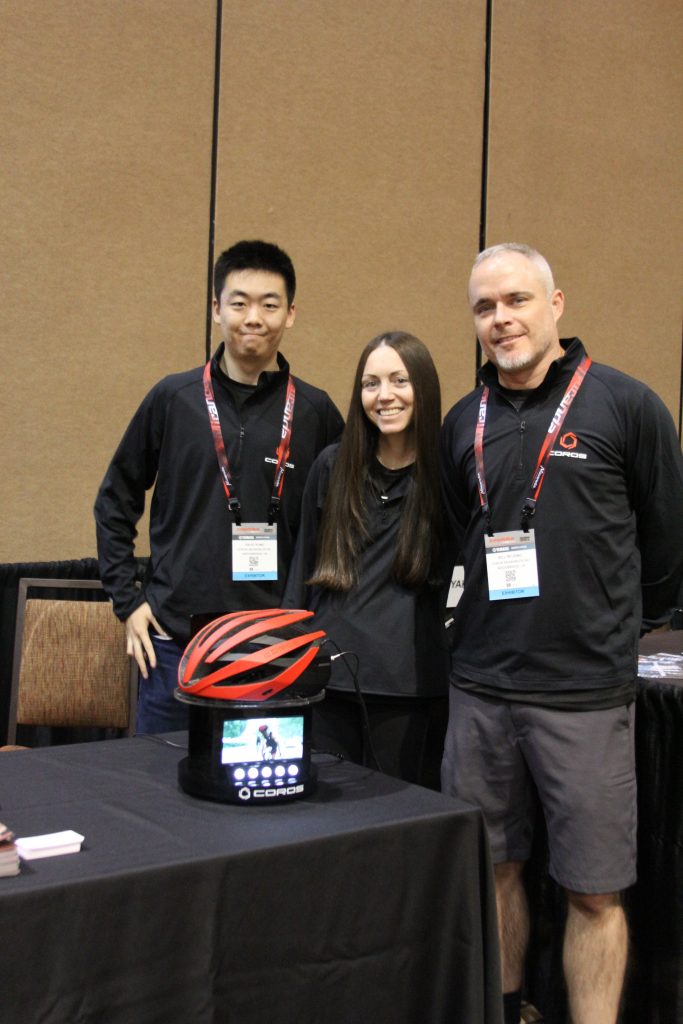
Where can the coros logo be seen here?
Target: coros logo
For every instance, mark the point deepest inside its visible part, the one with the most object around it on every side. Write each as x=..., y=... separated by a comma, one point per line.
x=568, y=443
x=266, y=794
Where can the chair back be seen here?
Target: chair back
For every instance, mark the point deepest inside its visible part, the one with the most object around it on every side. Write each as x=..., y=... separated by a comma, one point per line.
x=70, y=664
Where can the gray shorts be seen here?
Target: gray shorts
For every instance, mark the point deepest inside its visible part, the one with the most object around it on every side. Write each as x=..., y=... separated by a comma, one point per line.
x=581, y=764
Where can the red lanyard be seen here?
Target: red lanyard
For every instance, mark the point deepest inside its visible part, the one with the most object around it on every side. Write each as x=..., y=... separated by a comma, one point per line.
x=529, y=506
x=282, y=452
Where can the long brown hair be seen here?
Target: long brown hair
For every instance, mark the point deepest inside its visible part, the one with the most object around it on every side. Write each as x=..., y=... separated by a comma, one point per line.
x=343, y=530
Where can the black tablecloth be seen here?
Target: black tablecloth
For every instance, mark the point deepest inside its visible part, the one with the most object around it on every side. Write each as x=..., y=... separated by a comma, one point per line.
x=371, y=900
x=655, y=985
x=653, y=992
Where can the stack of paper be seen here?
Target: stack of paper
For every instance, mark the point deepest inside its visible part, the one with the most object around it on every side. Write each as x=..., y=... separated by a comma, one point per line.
x=50, y=845
x=660, y=666
x=9, y=856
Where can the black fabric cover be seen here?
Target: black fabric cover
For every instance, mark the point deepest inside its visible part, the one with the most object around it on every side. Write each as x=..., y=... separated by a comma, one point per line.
x=655, y=986
x=371, y=900
x=653, y=992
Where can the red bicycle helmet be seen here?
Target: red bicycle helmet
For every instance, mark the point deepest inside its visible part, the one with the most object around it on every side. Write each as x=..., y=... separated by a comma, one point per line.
x=255, y=656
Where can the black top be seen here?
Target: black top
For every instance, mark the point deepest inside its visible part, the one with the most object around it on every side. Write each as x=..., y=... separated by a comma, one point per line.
x=396, y=634
x=169, y=446
x=608, y=534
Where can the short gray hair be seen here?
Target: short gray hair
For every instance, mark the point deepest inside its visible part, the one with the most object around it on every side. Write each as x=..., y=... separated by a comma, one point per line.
x=525, y=250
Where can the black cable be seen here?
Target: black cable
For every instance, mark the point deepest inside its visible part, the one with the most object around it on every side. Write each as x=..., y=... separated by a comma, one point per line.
x=214, y=174
x=680, y=397
x=368, y=746
x=153, y=738
x=483, y=202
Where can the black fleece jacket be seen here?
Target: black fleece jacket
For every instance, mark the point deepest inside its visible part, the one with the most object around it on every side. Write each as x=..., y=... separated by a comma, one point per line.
x=608, y=524
x=397, y=635
x=169, y=445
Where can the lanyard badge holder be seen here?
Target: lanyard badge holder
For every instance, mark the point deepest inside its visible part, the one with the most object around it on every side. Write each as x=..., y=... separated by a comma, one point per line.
x=254, y=545
x=511, y=562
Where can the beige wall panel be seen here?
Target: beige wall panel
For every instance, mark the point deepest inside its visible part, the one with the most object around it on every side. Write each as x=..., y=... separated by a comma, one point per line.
x=107, y=111
x=350, y=134
x=586, y=134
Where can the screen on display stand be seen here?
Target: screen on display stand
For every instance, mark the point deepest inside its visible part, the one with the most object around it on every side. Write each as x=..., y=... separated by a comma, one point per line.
x=249, y=755
x=255, y=750
x=262, y=739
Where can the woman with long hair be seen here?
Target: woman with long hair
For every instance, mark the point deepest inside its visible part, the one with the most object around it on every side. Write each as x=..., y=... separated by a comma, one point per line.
x=369, y=562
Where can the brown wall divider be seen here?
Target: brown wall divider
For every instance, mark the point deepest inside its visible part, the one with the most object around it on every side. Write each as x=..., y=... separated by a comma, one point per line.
x=584, y=163
x=352, y=135
x=105, y=208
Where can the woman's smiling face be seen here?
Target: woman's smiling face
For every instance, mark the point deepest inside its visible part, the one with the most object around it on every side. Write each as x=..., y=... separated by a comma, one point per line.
x=386, y=391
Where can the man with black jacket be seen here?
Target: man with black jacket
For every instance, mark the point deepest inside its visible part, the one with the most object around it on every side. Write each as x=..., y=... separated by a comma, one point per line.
x=227, y=448
x=560, y=573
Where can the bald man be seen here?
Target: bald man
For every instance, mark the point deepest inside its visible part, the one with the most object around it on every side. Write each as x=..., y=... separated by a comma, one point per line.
x=564, y=483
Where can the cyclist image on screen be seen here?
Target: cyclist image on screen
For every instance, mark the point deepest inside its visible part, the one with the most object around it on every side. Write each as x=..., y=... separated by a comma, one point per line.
x=267, y=744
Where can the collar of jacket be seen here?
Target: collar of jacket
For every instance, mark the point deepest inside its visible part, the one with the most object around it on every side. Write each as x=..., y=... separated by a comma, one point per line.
x=267, y=379
x=559, y=371
x=395, y=484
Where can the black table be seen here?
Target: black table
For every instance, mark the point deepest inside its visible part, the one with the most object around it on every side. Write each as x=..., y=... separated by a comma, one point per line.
x=371, y=900
x=653, y=992
x=655, y=985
